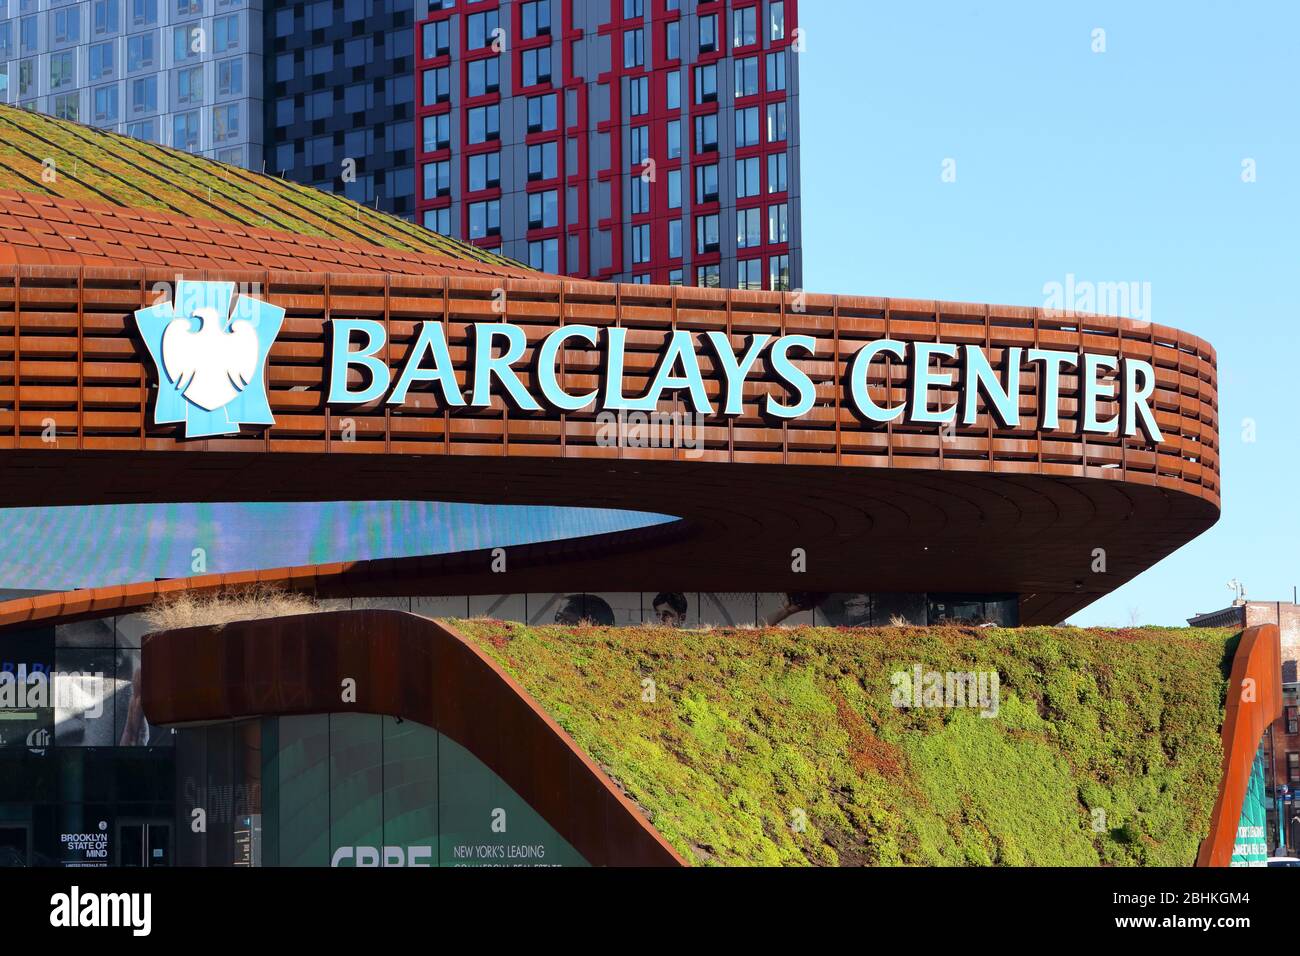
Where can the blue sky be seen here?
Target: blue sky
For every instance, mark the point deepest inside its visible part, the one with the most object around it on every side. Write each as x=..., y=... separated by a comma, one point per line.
x=1117, y=166
x=1122, y=166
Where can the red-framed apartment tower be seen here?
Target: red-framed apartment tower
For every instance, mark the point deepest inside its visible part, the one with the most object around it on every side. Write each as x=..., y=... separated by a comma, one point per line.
x=651, y=141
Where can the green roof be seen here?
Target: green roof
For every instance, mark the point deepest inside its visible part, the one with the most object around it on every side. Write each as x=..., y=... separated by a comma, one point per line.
x=787, y=746
x=43, y=155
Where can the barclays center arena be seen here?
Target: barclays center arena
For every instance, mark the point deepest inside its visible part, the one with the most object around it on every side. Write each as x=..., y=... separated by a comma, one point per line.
x=706, y=457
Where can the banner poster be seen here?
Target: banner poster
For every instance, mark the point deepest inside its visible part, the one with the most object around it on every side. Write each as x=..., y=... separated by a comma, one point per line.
x=1251, y=846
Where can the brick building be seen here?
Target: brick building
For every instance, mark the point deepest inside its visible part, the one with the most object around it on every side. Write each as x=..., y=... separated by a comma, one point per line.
x=1282, y=763
x=1244, y=614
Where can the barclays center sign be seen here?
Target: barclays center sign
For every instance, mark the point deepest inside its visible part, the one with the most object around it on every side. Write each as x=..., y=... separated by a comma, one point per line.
x=210, y=353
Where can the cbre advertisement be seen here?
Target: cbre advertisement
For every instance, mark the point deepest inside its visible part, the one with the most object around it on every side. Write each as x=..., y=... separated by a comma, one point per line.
x=1251, y=846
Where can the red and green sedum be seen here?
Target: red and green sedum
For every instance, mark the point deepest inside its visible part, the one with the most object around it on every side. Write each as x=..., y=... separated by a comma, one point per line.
x=1105, y=749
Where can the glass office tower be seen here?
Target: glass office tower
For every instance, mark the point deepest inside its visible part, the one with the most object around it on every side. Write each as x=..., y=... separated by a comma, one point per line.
x=183, y=73
x=340, y=113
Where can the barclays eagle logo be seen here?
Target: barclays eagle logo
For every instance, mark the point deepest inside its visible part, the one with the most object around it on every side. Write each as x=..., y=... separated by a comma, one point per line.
x=210, y=357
